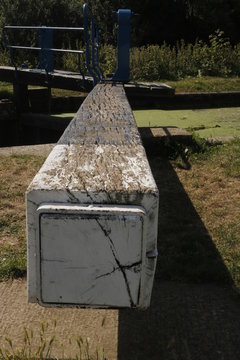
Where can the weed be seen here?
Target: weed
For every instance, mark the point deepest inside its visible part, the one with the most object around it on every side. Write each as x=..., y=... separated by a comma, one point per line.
x=41, y=346
x=217, y=57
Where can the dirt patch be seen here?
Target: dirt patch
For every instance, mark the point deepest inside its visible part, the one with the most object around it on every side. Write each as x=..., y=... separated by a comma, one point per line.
x=100, y=327
x=184, y=322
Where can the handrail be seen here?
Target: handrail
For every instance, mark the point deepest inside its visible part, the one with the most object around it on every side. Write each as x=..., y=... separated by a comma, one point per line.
x=41, y=27
x=87, y=40
x=91, y=48
x=97, y=53
x=42, y=49
x=45, y=49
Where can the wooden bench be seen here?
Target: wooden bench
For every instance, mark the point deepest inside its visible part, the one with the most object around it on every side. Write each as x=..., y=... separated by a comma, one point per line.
x=92, y=211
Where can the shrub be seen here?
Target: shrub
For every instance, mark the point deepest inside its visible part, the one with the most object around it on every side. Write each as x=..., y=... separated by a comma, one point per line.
x=153, y=62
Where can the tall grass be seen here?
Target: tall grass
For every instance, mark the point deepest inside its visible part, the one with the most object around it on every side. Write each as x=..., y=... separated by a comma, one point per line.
x=217, y=57
x=153, y=62
x=40, y=346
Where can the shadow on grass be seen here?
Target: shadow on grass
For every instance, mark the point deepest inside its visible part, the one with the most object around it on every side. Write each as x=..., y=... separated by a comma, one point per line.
x=191, y=315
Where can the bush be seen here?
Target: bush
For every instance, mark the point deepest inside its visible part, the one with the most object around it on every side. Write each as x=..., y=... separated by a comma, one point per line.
x=153, y=62
x=218, y=58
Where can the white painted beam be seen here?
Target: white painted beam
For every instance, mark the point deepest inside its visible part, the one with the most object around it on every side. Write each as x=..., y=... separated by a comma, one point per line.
x=92, y=212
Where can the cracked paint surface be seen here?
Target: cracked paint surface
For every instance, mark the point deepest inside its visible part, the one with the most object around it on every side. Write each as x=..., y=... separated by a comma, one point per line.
x=103, y=258
x=81, y=168
x=78, y=259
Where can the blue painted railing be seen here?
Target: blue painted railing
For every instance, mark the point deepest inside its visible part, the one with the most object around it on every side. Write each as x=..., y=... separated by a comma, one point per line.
x=123, y=52
x=91, y=46
x=92, y=40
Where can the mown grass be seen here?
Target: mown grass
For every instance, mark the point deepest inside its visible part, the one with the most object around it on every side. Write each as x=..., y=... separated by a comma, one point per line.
x=188, y=84
x=199, y=220
x=16, y=172
x=205, y=84
x=6, y=91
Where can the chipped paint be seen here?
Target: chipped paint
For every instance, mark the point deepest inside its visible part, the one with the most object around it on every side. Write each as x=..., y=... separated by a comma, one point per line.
x=96, y=184
x=81, y=168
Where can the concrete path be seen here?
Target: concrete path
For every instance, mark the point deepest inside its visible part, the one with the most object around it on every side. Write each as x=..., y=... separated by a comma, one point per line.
x=100, y=327
x=197, y=322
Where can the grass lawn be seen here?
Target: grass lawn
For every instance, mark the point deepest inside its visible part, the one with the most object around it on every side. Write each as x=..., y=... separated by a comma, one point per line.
x=16, y=173
x=205, y=84
x=199, y=220
x=6, y=91
x=201, y=84
x=199, y=215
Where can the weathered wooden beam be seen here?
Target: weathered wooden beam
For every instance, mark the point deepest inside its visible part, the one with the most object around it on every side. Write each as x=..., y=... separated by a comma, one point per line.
x=58, y=79
x=136, y=92
x=92, y=212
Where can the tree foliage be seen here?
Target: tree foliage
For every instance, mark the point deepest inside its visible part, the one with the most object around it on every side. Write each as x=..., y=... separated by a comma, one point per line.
x=157, y=21
x=171, y=20
x=206, y=16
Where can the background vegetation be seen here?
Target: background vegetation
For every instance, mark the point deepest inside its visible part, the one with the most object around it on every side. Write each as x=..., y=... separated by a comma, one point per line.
x=217, y=57
x=154, y=62
x=210, y=30
x=156, y=21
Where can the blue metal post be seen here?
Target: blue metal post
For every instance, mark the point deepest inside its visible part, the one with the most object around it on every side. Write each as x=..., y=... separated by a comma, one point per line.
x=86, y=39
x=97, y=53
x=93, y=36
x=123, y=73
x=45, y=40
